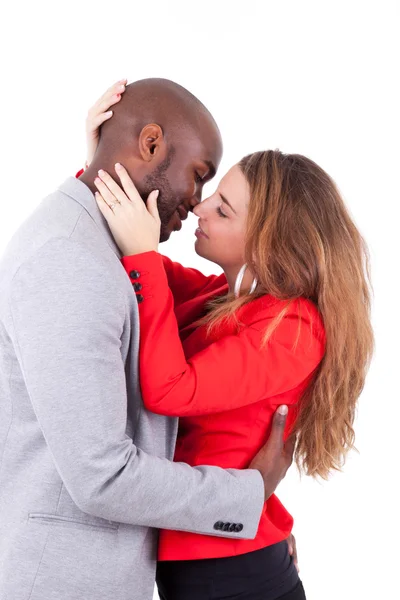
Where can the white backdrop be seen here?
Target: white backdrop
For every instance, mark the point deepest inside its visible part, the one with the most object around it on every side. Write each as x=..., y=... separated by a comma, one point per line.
x=316, y=78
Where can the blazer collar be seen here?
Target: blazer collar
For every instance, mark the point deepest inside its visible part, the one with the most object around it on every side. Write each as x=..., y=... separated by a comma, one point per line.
x=79, y=191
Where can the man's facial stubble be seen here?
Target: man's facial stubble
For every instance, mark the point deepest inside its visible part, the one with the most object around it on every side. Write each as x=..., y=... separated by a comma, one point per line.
x=167, y=201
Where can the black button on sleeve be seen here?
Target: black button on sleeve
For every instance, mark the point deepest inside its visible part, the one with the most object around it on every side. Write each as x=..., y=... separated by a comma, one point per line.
x=232, y=528
x=137, y=287
x=134, y=274
x=226, y=527
x=218, y=525
x=239, y=527
x=139, y=298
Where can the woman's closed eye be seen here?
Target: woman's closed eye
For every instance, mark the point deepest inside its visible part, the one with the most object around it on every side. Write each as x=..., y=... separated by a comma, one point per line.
x=221, y=214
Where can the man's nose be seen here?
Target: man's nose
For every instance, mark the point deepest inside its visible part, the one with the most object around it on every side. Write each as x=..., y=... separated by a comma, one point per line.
x=194, y=202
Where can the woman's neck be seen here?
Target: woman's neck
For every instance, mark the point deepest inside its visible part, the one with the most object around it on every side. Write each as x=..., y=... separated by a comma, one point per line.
x=231, y=276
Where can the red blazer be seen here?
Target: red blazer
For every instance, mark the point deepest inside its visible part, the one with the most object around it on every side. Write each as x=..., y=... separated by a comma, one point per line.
x=224, y=388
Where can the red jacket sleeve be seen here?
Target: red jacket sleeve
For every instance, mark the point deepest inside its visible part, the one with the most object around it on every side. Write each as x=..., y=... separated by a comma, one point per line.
x=229, y=373
x=183, y=282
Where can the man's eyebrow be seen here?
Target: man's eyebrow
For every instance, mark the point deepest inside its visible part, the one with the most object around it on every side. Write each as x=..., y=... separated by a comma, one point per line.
x=211, y=169
x=226, y=202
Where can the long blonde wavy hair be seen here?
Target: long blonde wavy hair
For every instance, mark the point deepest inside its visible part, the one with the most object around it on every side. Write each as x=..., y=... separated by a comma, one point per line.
x=301, y=241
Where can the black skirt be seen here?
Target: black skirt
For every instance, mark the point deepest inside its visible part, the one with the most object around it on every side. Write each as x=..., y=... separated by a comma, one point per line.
x=266, y=574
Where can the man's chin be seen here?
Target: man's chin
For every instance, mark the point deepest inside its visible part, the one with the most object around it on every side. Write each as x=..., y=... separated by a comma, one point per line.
x=164, y=235
x=165, y=232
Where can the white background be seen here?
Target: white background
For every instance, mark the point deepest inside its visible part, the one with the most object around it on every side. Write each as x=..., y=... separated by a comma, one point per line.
x=316, y=78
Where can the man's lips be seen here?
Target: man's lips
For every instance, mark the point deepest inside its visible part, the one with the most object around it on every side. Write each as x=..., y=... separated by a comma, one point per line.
x=176, y=221
x=182, y=212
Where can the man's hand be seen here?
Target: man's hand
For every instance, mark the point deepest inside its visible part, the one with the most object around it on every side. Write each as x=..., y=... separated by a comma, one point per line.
x=275, y=457
x=291, y=542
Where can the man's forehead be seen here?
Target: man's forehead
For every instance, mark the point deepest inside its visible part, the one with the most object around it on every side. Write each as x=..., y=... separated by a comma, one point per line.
x=209, y=153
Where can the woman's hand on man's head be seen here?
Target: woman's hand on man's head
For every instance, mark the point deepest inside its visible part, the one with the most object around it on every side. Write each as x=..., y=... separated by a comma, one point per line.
x=98, y=114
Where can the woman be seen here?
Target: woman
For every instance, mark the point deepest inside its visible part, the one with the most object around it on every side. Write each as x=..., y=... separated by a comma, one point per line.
x=286, y=323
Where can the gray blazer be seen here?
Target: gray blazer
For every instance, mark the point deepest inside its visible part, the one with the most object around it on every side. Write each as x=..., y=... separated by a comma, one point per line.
x=86, y=476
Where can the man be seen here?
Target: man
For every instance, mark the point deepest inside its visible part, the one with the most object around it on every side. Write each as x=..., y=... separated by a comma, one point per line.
x=86, y=475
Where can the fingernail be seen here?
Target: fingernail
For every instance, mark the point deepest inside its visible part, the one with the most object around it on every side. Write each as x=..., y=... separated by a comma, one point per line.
x=283, y=410
x=156, y=193
x=109, y=113
x=97, y=180
x=118, y=166
x=101, y=172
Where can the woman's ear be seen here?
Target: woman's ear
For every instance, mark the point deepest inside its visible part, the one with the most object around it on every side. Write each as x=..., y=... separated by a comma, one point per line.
x=152, y=143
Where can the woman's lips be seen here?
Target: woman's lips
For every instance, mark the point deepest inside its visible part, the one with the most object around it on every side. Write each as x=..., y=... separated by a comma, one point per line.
x=200, y=233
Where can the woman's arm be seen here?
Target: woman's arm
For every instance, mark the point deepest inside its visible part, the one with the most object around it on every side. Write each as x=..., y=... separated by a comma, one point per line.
x=229, y=373
x=97, y=115
x=184, y=283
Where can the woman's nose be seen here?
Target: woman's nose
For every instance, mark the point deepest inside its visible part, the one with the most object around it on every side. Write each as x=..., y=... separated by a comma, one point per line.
x=200, y=210
x=197, y=210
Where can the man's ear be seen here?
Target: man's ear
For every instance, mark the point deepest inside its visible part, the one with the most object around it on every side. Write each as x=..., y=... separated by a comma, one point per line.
x=151, y=143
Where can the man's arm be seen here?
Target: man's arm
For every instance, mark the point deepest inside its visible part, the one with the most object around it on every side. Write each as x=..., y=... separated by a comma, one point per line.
x=66, y=327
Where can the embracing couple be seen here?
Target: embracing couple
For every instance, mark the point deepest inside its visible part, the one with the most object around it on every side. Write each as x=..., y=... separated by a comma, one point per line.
x=98, y=479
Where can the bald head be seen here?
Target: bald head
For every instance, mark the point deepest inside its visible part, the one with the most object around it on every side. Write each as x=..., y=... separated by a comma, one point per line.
x=167, y=140
x=160, y=101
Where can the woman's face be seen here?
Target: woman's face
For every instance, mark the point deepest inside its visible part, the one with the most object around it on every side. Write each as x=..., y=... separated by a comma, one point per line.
x=222, y=221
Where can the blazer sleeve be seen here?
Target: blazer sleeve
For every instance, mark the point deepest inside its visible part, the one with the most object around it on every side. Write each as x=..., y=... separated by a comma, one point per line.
x=66, y=321
x=229, y=373
x=184, y=283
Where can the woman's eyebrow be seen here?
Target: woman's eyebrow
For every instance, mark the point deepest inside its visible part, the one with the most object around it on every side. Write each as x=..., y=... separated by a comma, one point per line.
x=228, y=203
